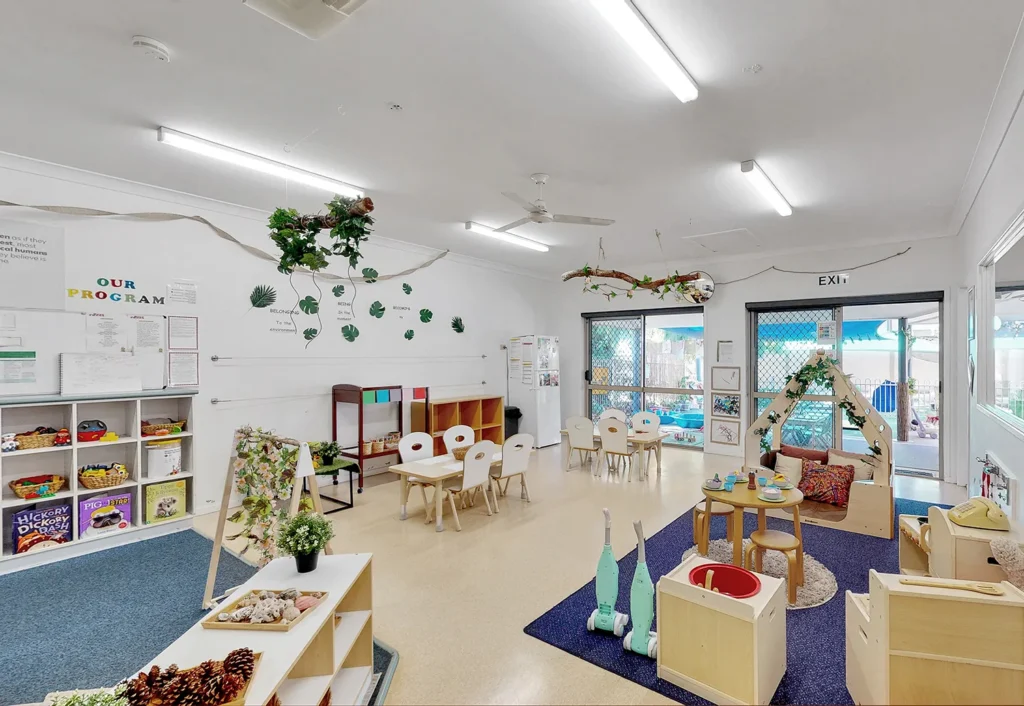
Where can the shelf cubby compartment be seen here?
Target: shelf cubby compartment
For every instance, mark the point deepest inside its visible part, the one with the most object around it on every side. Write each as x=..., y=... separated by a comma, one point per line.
x=178, y=409
x=492, y=434
x=18, y=466
x=186, y=446
x=120, y=417
x=19, y=420
x=470, y=413
x=493, y=410
x=445, y=416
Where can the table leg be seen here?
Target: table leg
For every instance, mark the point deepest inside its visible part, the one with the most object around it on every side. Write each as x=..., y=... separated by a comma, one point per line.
x=403, y=495
x=800, y=550
x=762, y=525
x=657, y=452
x=737, y=537
x=438, y=506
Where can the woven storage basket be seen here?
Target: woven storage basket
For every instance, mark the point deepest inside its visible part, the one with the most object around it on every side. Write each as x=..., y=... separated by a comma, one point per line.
x=367, y=448
x=150, y=429
x=108, y=481
x=35, y=441
x=378, y=446
x=24, y=490
x=459, y=452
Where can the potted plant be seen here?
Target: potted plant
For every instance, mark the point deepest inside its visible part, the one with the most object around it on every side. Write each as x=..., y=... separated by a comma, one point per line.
x=329, y=451
x=304, y=536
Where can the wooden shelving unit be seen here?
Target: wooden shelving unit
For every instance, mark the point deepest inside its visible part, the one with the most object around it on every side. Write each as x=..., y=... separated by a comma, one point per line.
x=484, y=414
x=122, y=415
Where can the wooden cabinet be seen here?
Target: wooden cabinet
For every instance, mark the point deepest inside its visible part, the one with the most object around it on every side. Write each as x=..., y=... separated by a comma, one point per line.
x=485, y=415
x=949, y=550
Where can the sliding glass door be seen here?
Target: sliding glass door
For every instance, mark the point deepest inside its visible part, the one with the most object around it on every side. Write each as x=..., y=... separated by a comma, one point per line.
x=652, y=362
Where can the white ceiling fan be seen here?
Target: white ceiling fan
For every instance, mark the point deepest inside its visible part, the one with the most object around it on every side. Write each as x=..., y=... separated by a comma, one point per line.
x=538, y=210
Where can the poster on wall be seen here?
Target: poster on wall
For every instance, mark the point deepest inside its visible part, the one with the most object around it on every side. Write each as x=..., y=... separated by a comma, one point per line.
x=31, y=266
x=826, y=333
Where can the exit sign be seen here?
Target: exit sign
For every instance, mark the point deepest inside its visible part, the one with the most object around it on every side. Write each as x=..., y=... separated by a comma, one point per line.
x=832, y=280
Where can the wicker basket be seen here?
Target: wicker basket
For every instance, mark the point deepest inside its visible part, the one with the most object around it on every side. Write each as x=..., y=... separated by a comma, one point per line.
x=34, y=441
x=459, y=452
x=151, y=429
x=367, y=448
x=113, y=477
x=378, y=446
x=25, y=489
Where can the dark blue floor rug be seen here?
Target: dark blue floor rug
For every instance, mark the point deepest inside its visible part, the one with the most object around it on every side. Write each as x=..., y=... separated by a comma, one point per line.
x=815, y=637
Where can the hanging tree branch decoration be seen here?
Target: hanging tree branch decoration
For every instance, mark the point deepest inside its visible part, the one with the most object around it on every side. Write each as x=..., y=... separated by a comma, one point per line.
x=676, y=284
x=349, y=221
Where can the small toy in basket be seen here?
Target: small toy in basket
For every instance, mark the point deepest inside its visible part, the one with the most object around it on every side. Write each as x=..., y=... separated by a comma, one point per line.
x=40, y=487
x=162, y=427
x=39, y=438
x=96, y=476
x=265, y=610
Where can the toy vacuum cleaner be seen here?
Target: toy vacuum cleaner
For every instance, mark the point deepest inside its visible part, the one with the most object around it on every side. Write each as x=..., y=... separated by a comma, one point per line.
x=641, y=639
x=606, y=617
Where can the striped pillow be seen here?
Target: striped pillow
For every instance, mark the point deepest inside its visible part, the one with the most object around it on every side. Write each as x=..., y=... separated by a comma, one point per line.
x=826, y=484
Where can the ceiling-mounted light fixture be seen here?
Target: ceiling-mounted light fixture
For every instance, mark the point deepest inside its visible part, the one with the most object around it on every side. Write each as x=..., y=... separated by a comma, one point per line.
x=505, y=236
x=257, y=164
x=765, y=187
x=638, y=33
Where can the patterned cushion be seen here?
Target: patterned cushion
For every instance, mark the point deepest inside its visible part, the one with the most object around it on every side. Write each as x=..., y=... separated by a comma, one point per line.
x=826, y=484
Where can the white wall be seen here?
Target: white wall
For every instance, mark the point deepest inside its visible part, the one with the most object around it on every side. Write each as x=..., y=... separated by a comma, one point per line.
x=293, y=390
x=929, y=266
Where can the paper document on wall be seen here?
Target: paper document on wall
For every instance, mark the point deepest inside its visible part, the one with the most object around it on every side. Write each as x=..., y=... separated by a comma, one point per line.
x=99, y=373
x=182, y=369
x=106, y=334
x=182, y=291
x=17, y=366
x=527, y=373
x=183, y=333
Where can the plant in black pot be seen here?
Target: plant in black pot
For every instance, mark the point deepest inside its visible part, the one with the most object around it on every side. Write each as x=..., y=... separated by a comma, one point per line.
x=304, y=537
x=329, y=452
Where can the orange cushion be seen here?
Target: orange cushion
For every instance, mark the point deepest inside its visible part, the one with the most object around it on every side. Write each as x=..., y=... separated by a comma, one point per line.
x=800, y=452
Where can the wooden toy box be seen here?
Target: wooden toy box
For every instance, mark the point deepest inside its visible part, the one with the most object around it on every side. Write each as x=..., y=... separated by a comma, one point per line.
x=923, y=645
x=949, y=550
x=726, y=650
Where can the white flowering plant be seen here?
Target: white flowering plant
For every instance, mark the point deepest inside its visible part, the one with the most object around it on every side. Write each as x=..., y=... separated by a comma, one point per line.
x=306, y=533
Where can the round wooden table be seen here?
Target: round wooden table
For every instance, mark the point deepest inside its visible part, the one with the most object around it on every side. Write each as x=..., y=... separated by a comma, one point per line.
x=742, y=497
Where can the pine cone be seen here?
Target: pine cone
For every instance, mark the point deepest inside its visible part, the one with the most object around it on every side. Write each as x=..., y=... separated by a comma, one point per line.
x=165, y=678
x=172, y=692
x=232, y=685
x=137, y=691
x=240, y=662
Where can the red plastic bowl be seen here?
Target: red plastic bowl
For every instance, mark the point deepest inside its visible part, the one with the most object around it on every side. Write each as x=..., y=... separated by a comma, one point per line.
x=728, y=579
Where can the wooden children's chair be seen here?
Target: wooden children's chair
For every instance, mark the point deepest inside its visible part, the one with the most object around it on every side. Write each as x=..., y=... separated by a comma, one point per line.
x=702, y=525
x=647, y=422
x=415, y=447
x=581, y=438
x=783, y=542
x=614, y=442
x=476, y=476
x=515, y=457
x=612, y=413
x=459, y=435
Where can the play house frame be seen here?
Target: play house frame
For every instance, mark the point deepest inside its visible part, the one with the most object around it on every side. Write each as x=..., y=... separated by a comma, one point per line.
x=870, y=510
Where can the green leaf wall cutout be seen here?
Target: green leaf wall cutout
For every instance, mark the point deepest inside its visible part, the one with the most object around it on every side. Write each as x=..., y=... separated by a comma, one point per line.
x=262, y=296
x=310, y=333
x=406, y=288
x=339, y=289
x=370, y=274
x=350, y=332
x=377, y=309
x=309, y=305
x=457, y=325
x=426, y=315
x=409, y=334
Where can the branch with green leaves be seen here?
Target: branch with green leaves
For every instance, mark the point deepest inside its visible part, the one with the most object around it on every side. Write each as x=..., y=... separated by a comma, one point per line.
x=676, y=284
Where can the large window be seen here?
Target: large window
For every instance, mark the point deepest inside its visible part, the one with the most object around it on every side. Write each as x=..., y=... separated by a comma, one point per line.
x=651, y=362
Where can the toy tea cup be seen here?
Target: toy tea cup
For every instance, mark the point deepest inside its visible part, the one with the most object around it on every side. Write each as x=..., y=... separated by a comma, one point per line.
x=761, y=481
x=772, y=493
x=713, y=483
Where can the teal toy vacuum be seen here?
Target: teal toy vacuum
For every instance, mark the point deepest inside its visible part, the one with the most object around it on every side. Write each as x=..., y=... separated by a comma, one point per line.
x=606, y=617
x=641, y=639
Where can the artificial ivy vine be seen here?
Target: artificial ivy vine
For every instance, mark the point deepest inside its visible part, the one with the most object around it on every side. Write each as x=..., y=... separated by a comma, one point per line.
x=676, y=284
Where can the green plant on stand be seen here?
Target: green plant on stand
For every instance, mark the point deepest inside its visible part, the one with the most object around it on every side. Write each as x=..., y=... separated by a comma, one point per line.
x=304, y=537
x=329, y=451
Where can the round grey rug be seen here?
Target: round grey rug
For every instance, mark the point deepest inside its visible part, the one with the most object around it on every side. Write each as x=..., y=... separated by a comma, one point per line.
x=819, y=583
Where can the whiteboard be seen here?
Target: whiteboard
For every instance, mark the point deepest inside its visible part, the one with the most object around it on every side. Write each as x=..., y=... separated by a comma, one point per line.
x=99, y=373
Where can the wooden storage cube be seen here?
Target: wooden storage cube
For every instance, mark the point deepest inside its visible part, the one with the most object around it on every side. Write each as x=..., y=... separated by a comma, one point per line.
x=25, y=464
x=964, y=552
x=439, y=449
x=469, y=413
x=107, y=454
x=493, y=434
x=726, y=650
x=120, y=417
x=445, y=415
x=18, y=420
x=493, y=410
x=913, y=558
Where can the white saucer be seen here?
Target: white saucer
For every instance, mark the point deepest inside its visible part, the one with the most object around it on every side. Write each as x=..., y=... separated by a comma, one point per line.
x=760, y=496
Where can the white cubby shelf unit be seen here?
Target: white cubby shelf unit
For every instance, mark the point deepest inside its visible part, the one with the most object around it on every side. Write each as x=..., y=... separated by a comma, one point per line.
x=123, y=415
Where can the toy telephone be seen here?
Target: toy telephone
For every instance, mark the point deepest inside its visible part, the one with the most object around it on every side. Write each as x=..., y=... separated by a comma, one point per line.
x=981, y=513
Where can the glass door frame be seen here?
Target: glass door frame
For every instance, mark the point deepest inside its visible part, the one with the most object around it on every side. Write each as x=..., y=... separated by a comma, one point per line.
x=643, y=390
x=838, y=303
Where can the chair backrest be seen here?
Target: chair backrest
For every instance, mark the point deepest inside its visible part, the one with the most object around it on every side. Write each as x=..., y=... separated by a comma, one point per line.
x=646, y=421
x=613, y=436
x=612, y=413
x=478, y=463
x=457, y=436
x=416, y=446
x=515, y=454
x=581, y=432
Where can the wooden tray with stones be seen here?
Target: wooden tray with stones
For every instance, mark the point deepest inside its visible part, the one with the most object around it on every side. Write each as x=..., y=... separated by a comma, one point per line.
x=270, y=607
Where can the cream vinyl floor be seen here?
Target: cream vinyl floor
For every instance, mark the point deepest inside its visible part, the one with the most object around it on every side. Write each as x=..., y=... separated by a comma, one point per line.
x=454, y=604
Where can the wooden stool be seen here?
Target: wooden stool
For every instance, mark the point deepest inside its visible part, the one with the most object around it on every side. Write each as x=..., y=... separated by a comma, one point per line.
x=702, y=533
x=784, y=542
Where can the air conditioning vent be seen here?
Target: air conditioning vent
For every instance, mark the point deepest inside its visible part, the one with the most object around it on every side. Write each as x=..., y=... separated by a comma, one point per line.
x=310, y=18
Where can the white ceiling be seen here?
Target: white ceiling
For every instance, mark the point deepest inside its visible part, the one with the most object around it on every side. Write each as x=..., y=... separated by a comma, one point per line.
x=866, y=113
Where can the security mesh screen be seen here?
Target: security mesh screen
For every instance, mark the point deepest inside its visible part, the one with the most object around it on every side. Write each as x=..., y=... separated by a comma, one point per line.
x=616, y=349
x=785, y=340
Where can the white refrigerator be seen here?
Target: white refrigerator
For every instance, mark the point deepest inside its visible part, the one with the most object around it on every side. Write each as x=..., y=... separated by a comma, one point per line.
x=533, y=387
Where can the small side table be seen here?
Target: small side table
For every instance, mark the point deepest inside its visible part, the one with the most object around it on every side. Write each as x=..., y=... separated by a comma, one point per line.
x=334, y=469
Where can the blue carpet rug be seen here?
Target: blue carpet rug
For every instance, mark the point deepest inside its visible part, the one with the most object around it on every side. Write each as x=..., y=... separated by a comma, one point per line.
x=815, y=637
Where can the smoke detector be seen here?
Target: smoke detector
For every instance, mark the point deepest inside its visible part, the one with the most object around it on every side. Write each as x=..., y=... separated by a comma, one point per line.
x=312, y=19
x=151, y=48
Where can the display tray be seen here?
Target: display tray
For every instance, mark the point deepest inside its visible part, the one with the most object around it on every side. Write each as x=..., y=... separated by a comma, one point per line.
x=213, y=622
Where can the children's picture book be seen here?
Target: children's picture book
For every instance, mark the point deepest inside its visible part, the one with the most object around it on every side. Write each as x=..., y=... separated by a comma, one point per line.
x=104, y=514
x=35, y=529
x=165, y=501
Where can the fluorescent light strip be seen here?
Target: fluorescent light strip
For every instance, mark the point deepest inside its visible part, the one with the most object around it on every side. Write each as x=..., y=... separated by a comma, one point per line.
x=255, y=163
x=507, y=237
x=634, y=28
x=756, y=176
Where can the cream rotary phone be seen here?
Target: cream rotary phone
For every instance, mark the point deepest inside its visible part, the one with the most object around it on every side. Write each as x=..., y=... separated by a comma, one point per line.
x=980, y=513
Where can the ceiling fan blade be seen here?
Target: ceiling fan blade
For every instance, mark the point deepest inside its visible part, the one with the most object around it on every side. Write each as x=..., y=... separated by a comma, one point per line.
x=519, y=200
x=582, y=220
x=513, y=224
